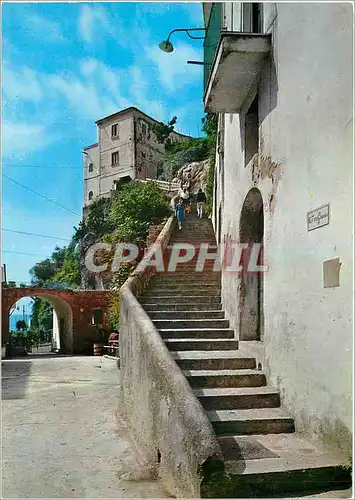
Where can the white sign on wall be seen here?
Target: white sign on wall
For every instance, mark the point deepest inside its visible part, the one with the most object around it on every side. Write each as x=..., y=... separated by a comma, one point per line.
x=318, y=217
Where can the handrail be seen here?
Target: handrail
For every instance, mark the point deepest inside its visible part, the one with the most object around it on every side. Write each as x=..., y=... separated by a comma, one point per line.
x=164, y=416
x=165, y=185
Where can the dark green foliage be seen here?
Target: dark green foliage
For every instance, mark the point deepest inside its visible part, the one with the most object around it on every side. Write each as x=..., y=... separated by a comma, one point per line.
x=97, y=220
x=42, y=271
x=162, y=131
x=42, y=315
x=45, y=271
x=134, y=207
x=69, y=273
x=210, y=127
x=113, y=312
x=180, y=154
x=194, y=149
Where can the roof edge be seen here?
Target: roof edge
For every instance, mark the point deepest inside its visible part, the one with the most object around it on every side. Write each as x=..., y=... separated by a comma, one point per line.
x=91, y=146
x=133, y=108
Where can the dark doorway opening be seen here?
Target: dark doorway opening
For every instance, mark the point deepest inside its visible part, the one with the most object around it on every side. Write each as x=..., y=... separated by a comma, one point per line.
x=251, y=232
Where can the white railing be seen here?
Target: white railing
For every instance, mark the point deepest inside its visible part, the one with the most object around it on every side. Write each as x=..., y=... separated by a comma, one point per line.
x=164, y=185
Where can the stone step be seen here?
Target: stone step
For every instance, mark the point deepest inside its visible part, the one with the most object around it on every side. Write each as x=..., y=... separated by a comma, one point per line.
x=182, y=314
x=213, y=360
x=202, y=333
x=190, y=324
x=193, y=344
x=200, y=237
x=189, y=272
x=182, y=306
x=276, y=465
x=251, y=421
x=181, y=299
x=230, y=398
x=224, y=378
x=182, y=291
x=207, y=263
x=186, y=285
x=186, y=278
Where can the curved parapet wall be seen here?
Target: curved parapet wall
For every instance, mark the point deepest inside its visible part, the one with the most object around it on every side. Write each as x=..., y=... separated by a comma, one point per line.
x=164, y=417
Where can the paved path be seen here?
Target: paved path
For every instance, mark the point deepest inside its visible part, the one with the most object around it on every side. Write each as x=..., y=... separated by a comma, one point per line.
x=61, y=437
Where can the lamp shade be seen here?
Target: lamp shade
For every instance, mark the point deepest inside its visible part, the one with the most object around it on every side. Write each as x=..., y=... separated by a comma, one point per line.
x=166, y=46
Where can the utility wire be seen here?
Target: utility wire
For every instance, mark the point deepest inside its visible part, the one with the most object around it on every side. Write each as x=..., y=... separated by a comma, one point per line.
x=54, y=167
x=41, y=195
x=34, y=234
x=25, y=253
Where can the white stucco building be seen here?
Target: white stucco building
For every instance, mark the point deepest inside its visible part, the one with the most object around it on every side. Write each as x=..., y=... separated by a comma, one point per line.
x=280, y=76
x=126, y=147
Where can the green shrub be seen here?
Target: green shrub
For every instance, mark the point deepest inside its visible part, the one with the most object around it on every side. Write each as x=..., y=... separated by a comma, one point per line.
x=113, y=312
x=134, y=207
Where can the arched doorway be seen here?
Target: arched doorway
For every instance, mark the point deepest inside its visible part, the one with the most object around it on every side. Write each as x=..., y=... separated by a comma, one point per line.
x=62, y=336
x=251, y=231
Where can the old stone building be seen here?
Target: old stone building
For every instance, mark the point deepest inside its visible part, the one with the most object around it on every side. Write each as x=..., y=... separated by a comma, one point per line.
x=280, y=76
x=126, y=148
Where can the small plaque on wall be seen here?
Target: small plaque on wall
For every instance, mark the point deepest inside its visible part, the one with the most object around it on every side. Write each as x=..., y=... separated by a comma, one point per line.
x=318, y=218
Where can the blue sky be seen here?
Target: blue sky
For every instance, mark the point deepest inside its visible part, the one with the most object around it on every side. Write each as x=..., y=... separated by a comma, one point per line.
x=64, y=67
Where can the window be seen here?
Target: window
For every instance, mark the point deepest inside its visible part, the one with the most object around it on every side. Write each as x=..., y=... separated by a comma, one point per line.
x=252, y=17
x=91, y=195
x=144, y=129
x=91, y=167
x=251, y=131
x=114, y=158
x=97, y=317
x=114, y=130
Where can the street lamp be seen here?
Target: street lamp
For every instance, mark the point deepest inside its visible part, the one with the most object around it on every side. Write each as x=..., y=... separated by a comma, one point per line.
x=167, y=46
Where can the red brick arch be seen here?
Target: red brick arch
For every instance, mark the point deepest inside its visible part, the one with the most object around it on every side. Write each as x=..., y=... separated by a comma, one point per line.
x=74, y=308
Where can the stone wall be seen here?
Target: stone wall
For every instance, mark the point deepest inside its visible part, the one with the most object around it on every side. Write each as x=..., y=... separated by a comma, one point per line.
x=166, y=421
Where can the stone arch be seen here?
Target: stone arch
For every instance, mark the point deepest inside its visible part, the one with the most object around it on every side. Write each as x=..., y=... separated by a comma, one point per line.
x=251, y=231
x=62, y=318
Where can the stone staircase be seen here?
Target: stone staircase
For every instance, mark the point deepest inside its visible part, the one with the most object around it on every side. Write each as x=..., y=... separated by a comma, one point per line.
x=263, y=454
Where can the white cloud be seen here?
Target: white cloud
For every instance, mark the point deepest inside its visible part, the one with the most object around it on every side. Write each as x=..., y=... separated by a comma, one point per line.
x=19, y=139
x=85, y=99
x=139, y=89
x=172, y=69
x=88, y=66
x=44, y=28
x=21, y=84
x=92, y=20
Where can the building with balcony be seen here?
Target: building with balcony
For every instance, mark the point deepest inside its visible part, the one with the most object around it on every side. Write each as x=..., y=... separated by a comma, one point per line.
x=280, y=78
x=126, y=148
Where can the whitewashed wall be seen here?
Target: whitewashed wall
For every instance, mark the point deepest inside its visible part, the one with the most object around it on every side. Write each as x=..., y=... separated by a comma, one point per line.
x=306, y=141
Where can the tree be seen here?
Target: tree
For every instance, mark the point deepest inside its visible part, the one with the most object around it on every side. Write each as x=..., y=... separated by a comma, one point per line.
x=42, y=271
x=69, y=272
x=163, y=131
x=97, y=220
x=42, y=315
